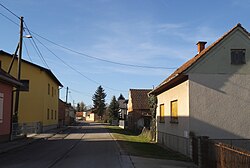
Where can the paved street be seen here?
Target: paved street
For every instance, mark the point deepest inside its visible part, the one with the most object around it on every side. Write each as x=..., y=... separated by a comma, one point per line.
x=86, y=145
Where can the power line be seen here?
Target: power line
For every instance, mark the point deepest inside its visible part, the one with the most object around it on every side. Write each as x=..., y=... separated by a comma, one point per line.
x=100, y=59
x=9, y=19
x=26, y=49
x=93, y=81
x=10, y=11
x=36, y=47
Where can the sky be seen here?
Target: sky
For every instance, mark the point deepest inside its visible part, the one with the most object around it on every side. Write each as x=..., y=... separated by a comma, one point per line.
x=151, y=33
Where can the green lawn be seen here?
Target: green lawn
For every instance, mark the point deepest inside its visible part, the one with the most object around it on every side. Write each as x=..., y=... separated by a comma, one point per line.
x=139, y=145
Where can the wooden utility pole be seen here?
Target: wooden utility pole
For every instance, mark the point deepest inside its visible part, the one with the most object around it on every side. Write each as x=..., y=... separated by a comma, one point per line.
x=15, y=118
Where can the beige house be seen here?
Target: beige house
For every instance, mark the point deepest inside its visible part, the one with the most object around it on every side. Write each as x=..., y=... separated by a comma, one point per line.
x=209, y=95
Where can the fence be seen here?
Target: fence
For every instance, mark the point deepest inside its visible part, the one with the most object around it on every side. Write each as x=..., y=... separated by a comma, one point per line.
x=214, y=154
x=174, y=142
x=22, y=129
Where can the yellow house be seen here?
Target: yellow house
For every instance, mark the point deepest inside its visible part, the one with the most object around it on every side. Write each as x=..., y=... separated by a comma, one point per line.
x=40, y=102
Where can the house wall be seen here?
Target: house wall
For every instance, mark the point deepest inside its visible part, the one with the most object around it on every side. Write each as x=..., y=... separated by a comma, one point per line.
x=6, y=91
x=220, y=105
x=220, y=92
x=34, y=104
x=174, y=135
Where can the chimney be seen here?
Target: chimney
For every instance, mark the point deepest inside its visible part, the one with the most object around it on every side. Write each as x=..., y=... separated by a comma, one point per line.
x=201, y=46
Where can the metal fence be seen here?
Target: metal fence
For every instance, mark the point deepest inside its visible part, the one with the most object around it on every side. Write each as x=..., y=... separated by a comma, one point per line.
x=174, y=142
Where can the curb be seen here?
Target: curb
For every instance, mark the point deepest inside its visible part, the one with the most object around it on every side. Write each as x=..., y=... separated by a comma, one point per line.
x=125, y=157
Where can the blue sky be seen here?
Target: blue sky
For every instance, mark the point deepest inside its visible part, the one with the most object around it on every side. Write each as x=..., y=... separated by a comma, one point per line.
x=160, y=33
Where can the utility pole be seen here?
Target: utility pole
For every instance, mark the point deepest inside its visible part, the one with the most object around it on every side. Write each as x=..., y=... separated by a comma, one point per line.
x=67, y=91
x=15, y=118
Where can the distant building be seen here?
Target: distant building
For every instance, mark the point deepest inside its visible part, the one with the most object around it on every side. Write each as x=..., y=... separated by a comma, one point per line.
x=122, y=111
x=40, y=103
x=139, y=115
x=7, y=82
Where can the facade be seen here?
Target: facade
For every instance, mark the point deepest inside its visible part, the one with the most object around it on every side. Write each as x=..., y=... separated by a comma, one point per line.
x=40, y=103
x=139, y=115
x=7, y=82
x=208, y=95
x=122, y=111
x=79, y=115
x=62, y=110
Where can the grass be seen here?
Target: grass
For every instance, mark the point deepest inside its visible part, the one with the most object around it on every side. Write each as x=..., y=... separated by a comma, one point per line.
x=139, y=145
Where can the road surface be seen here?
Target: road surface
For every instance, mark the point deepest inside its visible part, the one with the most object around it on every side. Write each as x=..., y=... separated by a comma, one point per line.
x=86, y=145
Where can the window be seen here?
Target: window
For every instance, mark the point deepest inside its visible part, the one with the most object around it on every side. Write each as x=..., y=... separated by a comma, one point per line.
x=51, y=114
x=55, y=114
x=47, y=114
x=174, y=111
x=25, y=86
x=48, y=89
x=238, y=56
x=52, y=91
x=162, y=120
x=1, y=107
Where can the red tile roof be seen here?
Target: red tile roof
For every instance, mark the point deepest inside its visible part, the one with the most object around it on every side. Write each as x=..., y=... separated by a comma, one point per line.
x=193, y=60
x=139, y=98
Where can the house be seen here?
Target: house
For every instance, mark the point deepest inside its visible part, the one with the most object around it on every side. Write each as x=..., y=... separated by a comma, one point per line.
x=7, y=82
x=40, y=103
x=92, y=117
x=209, y=95
x=62, y=113
x=139, y=115
x=122, y=111
x=79, y=115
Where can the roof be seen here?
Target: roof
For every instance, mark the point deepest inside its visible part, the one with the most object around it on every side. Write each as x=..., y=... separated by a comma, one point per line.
x=35, y=65
x=7, y=78
x=178, y=74
x=139, y=98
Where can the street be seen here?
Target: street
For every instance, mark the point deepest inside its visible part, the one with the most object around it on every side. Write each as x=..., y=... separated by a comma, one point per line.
x=85, y=145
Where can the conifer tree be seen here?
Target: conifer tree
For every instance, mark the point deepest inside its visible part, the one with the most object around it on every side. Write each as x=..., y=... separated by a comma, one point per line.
x=99, y=101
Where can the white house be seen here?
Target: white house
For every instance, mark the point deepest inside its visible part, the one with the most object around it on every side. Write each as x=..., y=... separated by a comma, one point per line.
x=209, y=95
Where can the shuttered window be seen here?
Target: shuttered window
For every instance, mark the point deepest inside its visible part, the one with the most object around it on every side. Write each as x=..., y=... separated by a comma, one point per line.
x=162, y=120
x=1, y=107
x=238, y=56
x=174, y=111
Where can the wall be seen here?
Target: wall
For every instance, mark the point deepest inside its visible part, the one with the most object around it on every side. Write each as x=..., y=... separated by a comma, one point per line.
x=176, y=133
x=5, y=124
x=33, y=104
x=220, y=91
x=220, y=105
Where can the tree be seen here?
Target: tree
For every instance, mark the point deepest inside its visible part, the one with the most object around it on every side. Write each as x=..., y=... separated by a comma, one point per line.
x=99, y=101
x=113, y=109
x=152, y=101
x=81, y=106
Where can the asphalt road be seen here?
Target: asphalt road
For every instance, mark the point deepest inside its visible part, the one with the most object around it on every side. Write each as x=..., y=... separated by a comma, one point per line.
x=86, y=145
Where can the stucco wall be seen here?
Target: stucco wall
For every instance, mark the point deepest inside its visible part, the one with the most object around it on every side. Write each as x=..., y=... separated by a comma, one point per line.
x=220, y=105
x=6, y=90
x=220, y=91
x=179, y=93
x=33, y=105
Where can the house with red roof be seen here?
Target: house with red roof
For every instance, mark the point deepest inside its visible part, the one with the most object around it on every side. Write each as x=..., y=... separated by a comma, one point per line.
x=139, y=115
x=7, y=82
x=209, y=95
